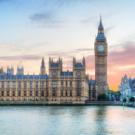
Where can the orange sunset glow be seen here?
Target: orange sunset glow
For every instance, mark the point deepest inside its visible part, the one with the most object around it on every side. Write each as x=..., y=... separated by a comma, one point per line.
x=67, y=29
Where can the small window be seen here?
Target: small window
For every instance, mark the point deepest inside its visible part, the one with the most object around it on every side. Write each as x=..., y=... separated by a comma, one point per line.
x=13, y=94
x=19, y=93
x=30, y=93
x=24, y=93
x=2, y=93
x=42, y=93
x=36, y=93
x=8, y=93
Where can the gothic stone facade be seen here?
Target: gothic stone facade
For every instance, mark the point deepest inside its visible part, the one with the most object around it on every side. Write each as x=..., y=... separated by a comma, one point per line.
x=57, y=87
x=101, y=52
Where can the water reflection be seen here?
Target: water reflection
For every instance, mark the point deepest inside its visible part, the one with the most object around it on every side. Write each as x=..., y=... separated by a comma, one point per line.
x=100, y=121
x=64, y=120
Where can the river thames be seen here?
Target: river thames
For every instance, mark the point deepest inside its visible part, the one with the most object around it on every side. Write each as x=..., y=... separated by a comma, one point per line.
x=67, y=120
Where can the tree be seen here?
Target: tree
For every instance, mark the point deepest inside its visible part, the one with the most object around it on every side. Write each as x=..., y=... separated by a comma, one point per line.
x=124, y=100
x=102, y=97
x=132, y=100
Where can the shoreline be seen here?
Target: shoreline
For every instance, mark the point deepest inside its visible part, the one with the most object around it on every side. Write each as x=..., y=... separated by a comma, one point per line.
x=44, y=103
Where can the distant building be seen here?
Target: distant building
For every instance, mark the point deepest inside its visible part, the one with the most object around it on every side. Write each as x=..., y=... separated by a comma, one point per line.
x=127, y=87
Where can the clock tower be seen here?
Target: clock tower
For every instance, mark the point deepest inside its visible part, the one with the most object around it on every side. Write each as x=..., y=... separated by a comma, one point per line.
x=101, y=51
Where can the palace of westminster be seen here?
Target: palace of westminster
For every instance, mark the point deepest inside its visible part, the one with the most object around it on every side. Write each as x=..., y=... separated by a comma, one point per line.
x=58, y=86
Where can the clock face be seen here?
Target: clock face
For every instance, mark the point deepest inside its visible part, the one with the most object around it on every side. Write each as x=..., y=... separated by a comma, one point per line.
x=100, y=48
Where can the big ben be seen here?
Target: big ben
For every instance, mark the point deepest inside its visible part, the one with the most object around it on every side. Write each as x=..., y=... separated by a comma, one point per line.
x=101, y=52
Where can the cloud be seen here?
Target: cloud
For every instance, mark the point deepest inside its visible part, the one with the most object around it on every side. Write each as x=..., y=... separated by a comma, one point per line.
x=121, y=61
x=108, y=29
x=58, y=54
x=65, y=54
x=84, y=49
x=50, y=16
x=123, y=54
x=63, y=3
x=20, y=57
x=42, y=16
x=54, y=3
x=47, y=19
x=88, y=20
x=71, y=53
x=126, y=67
x=53, y=9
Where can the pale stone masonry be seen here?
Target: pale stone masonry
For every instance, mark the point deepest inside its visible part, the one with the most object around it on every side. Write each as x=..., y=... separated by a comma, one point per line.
x=101, y=54
x=57, y=87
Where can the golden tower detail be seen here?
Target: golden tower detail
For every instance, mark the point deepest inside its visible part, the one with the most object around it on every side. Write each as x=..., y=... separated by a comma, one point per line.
x=101, y=52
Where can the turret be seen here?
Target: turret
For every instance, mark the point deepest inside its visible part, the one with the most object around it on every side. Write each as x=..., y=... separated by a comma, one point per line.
x=10, y=70
x=20, y=70
x=79, y=68
x=1, y=70
x=55, y=67
x=100, y=36
x=42, y=67
x=84, y=63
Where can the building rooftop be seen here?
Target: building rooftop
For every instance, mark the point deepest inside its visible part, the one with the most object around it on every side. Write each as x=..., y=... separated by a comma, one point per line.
x=78, y=65
x=67, y=74
x=92, y=82
x=54, y=65
x=6, y=76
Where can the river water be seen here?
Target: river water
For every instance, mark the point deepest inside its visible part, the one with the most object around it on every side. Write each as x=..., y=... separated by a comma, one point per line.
x=67, y=120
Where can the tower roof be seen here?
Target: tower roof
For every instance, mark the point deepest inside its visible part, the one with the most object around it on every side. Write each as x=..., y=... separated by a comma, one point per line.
x=100, y=36
x=100, y=27
x=42, y=63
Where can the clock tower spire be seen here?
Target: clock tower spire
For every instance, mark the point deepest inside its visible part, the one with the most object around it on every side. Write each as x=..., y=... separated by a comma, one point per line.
x=101, y=52
x=100, y=27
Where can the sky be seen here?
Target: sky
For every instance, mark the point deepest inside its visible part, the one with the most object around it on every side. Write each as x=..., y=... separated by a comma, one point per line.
x=32, y=29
